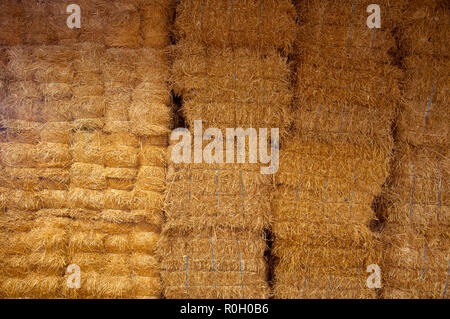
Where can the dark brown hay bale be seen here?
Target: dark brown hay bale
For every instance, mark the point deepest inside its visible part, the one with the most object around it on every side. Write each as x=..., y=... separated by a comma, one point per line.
x=424, y=117
x=416, y=237
x=253, y=24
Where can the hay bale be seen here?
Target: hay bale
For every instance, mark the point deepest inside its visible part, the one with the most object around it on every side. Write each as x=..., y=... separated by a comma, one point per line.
x=137, y=91
x=232, y=87
x=215, y=217
x=218, y=264
x=322, y=215
x=11, y=22
x=424, y=115
x=248, y=24
x=347, y=83
x=155, y=21
x=416, y=236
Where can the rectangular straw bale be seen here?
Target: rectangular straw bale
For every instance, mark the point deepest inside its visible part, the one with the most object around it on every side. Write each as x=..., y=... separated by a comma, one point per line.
x=424, y=114
x=113, y=23
x=232, y=87
x=12, y=22
x=322, y=218
x=155, y=21
x=425, y=25
x=221, y=264
x=416, y=237
x=136, y=91
x=347, y=83
x=115, y=259
x=252, y=24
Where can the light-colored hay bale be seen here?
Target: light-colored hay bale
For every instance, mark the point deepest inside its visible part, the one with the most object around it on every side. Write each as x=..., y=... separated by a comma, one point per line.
x=416, y=237
x=424, y=115
x=253, y=24
x=322, y=215
x=218, y=264
x=88, y=192
x=232, y=87
x=223, y=205
x=102, y=250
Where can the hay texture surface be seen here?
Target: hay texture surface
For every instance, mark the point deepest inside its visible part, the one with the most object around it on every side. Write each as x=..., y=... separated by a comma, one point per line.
x=322, y=216
x=84, y=122
x=251, y=24
x=337, y=157
x=230, y=73
x=416, y=237
x=346, y=83
x=424, y=116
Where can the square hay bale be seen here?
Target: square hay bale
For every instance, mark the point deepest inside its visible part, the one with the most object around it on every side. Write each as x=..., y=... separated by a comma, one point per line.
x=252, y=24
x=232, y=87
x=322, y=218
x=416, y=236
x=223, y=263
x=347, y=82
x=212, y=244
x=424, y=114
x=155, y=21
x=115, y=256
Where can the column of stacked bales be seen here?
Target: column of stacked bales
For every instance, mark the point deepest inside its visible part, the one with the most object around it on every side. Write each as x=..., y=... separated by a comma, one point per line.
x=35, y=162
x=82, y=149
x=114, y=240
x=416, y=237
x=336, y=160
x=230, y=73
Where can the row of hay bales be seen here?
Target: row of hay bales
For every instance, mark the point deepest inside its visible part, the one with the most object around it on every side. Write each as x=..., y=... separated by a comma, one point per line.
x=334, y=163
x=416, y=260
x=84, y=126
x=231, y=69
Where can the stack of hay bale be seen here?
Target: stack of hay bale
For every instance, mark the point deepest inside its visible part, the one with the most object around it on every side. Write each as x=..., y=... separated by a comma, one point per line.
x=84, y=131
x=229, y=72
x=416, y=261
x=335, y=162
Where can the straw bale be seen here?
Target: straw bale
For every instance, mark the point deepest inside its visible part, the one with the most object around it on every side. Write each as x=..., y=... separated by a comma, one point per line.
x=32, y=255
x=89, y=192
x=416, y=236
x=136, y=91
x=232, y=88
x=424, y=28
x=27, y=155
x=114, y=23
x=253, y=24
x=155, y=16
x=33, y=179
x=424, y=114
x=12, y=23
x=322, y=218
x=227, y=264
x=346, y=84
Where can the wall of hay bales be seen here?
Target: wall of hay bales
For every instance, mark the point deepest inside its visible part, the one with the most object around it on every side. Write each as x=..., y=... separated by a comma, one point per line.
x=416, y=260
x=337, y=157
x=85, y=117
x=230, y=67
x=87, y=178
